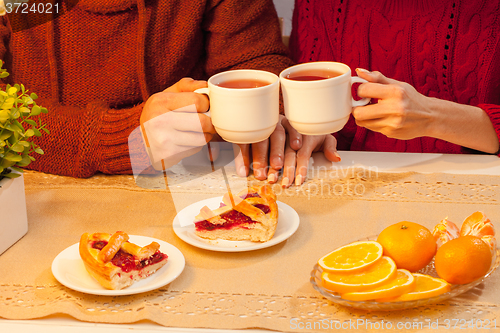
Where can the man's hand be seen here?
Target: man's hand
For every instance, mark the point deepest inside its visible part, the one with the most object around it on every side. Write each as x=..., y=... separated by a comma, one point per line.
x=173, y=123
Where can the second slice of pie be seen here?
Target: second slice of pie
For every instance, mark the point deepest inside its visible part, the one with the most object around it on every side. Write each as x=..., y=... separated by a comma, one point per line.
x=250, y=215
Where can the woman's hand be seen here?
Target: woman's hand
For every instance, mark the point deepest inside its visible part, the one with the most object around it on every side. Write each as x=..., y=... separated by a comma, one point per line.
x=403, y=113
x=285, y=149
x=173, y=125
x=297, y=152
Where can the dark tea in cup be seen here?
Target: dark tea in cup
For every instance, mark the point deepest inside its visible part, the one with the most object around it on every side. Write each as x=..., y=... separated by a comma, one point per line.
x=242, y=114
x=243, y=84
x=317, y=96
x=313, y=75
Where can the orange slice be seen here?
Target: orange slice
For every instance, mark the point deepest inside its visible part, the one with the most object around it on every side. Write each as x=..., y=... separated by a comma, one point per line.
x=352, y=257
x=425, y=286
x=369, y=278
x=404, y=282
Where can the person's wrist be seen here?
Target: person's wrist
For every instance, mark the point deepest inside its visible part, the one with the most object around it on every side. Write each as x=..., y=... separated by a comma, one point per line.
x=436, y=124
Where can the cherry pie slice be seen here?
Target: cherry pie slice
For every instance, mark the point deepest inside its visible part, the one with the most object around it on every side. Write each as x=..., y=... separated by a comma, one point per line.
x=115, y=262
x=251, y=215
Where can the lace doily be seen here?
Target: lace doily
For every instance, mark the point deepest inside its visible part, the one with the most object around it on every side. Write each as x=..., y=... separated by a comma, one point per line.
x=355, y=183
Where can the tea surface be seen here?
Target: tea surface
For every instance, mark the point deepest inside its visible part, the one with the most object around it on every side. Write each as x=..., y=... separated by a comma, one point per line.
x=243, y=84
x=313, y=75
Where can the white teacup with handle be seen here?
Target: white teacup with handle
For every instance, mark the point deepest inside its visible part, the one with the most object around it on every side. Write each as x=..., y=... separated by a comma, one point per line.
x=244, y=104
x=317, y=96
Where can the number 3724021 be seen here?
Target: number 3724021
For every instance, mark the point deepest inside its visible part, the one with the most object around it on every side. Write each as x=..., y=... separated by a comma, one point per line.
x=34, y=8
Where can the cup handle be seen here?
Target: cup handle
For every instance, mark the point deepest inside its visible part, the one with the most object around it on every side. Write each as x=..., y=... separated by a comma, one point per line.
x=361, y=102
x=204, y=91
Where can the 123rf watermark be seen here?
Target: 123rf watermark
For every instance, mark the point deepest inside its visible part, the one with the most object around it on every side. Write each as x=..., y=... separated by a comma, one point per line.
x=437, y=324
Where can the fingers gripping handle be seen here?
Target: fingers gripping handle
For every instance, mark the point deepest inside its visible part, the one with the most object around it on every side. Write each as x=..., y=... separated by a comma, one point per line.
x=204, y=91
x=361, y=102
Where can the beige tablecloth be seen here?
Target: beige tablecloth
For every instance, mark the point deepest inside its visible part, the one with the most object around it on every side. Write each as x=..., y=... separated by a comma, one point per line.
x=267, y=288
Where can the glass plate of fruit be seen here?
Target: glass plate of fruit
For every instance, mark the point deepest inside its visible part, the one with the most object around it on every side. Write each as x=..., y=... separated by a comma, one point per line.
x=430, y=288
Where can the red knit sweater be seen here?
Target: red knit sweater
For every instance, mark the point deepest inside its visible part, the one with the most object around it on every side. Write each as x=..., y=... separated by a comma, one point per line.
x=94, y=67
x=449, y=49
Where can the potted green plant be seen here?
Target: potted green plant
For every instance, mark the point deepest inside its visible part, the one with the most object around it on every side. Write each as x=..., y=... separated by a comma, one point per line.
x=19, y=122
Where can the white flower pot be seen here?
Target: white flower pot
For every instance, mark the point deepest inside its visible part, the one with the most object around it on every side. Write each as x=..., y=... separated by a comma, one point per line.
x=13, y=216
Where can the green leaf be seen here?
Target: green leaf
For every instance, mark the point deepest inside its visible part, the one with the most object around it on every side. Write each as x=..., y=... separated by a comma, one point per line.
x=44, y=110
x=39, y=151
x=37, y=132
x=18, y=124
x=27, y=100
x=12, y=91
x=29, y=133
x=33, y=96
x=23, y=109
x=13, y=138
x=5, y=163
x=12, y=175
x=25, y=143
x=45, y=130
x=4, y=116
x=13, y=157
x=8, y=103
x=5, y=135
x=36, y=110
x=24, y=162
x=18, y=148
x=14, y=113
x=16, y=169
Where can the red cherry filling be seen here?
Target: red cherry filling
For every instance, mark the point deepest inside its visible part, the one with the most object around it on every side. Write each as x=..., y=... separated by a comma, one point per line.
x=251, y=195
x=99, y=244
x=233, y=218
x=263, y=208
x=127, y=262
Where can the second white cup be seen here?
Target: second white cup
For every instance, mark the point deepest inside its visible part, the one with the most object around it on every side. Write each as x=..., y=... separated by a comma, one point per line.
x=317, y=96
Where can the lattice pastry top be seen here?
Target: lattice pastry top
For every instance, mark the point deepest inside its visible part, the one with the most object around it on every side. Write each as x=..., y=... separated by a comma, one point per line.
x=251, y=214
x=115, y=262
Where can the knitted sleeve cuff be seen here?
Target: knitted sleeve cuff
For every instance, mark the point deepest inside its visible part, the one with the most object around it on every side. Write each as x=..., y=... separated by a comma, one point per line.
x=122, y=150
x=493, y=111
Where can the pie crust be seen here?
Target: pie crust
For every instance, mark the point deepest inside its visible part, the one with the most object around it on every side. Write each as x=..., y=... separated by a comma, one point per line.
x=115, y=262
x=251, y=215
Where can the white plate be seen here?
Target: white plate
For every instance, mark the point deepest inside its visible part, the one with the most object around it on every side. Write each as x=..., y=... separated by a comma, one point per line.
x=288, y=222
x=69, y=270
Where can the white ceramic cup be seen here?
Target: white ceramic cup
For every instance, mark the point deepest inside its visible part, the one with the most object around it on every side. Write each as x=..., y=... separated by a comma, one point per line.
x=243, y=115
x=320, y=106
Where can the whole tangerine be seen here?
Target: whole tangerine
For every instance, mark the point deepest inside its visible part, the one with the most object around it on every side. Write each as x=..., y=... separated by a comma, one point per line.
x=463, y=260
x=409, y=244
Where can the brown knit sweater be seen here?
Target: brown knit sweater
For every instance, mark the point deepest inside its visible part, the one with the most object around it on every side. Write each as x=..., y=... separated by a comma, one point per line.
x=94, y=67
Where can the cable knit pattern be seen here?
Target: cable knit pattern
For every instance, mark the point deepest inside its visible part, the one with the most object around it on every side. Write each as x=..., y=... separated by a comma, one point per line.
x=446, y=49
x=106, y=57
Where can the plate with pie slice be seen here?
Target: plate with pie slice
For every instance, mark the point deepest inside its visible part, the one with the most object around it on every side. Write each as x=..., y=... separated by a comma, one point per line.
x=185, y=228
x=69, y=269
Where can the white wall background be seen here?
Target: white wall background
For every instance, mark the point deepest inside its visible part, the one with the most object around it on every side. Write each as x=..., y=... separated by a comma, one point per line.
x=285, y=10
